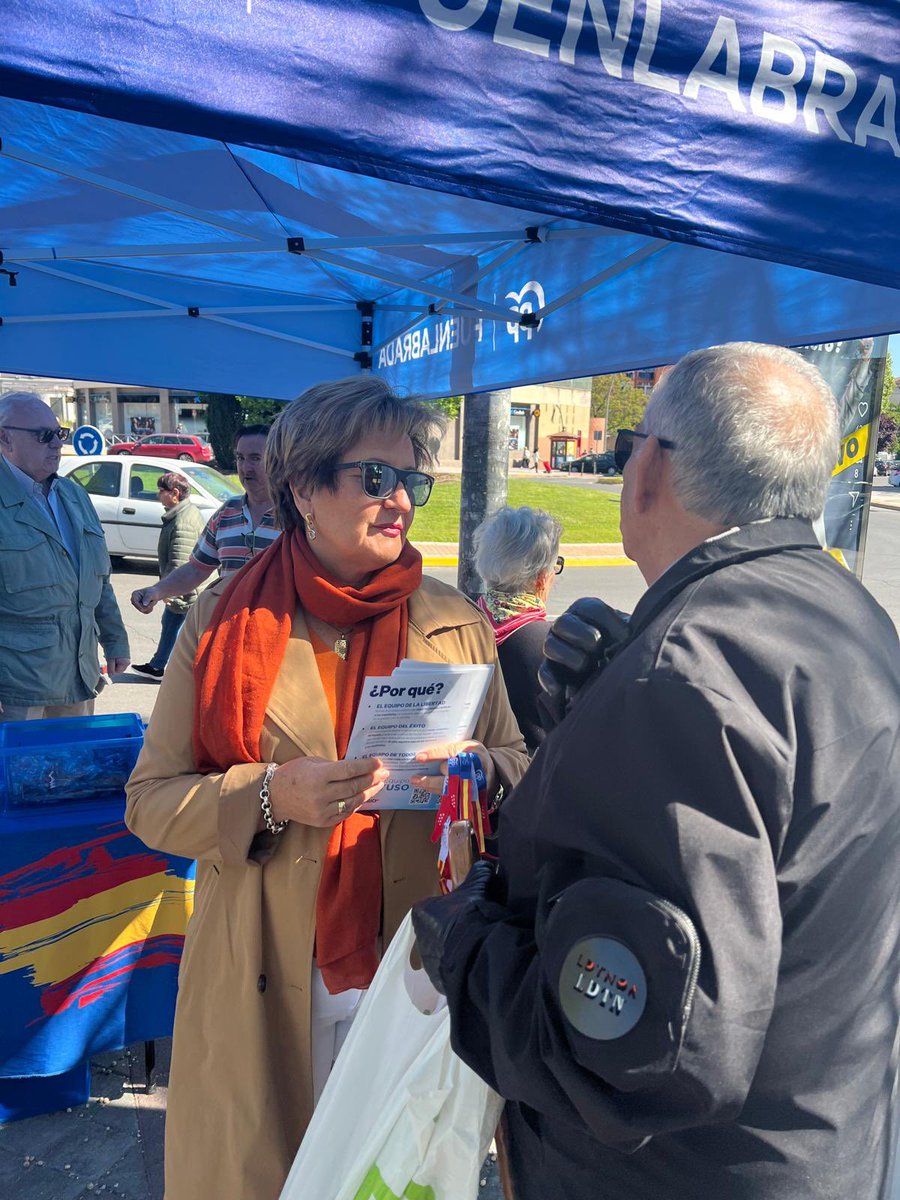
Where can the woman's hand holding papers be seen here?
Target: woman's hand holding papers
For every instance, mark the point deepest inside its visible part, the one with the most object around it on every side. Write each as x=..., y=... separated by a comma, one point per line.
x=317, y=791
x=437, y=756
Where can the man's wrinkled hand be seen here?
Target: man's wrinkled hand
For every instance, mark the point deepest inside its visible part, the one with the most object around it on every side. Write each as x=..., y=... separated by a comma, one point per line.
x=433, y=918
x=117, y=666
x=577, y=646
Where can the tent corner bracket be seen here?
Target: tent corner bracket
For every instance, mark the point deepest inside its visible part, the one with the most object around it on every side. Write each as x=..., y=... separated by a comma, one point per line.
x=364, y=358
x=366, y=309
x=296, y=245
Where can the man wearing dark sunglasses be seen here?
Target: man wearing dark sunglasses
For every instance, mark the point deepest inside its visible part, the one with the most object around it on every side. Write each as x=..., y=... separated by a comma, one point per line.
x=55, y=594
x=684, y=979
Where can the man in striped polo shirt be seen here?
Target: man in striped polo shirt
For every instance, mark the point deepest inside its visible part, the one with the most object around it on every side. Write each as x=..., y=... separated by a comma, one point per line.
x=237, y=531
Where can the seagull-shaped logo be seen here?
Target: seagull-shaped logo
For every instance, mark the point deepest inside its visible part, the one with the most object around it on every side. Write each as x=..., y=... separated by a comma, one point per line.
x=529, y=299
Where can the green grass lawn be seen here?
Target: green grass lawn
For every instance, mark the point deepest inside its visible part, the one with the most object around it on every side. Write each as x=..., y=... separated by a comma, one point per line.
x=587, y=515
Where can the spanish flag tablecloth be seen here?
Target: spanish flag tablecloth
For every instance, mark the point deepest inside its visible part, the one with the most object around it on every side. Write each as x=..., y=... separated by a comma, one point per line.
x=92, y=927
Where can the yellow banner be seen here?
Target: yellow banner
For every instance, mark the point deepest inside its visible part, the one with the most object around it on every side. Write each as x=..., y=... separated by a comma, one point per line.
x=853, y=449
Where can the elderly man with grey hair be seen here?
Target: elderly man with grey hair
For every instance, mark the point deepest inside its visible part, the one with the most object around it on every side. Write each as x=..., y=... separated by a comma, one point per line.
x=517, y=557
x=684, y=979
x=55, y=595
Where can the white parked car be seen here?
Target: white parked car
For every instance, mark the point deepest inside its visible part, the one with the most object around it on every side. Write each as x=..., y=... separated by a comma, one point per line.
x=123, y=491
x=894, y=474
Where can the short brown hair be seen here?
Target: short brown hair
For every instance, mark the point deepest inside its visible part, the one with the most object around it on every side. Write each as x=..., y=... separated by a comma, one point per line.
x=174, y=483
x=313, y=433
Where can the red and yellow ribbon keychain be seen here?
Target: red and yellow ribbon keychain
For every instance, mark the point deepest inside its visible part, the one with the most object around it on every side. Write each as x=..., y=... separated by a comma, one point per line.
x=464, y=799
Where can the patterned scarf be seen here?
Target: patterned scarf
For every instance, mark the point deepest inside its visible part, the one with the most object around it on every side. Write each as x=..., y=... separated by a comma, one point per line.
x=508, y=611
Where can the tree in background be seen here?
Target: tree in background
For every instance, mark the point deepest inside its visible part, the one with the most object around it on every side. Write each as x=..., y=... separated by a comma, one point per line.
x=887, y=387
x=223, y=420
x=615, y=398
x=888, y=428
x=225, y=415
x=257, y=410
x=449, y=406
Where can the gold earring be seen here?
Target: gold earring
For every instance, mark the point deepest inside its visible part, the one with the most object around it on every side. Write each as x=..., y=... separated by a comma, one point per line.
x=310, y=528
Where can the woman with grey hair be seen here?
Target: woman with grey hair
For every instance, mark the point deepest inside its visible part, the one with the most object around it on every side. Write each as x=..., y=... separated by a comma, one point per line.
x=517, y=556
x=298, y=891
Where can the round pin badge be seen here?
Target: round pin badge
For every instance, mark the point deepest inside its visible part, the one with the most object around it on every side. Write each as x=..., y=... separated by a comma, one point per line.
x=602, y=988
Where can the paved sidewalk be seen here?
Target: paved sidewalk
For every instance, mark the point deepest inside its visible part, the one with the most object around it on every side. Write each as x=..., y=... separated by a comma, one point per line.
x=886, y=499
x=113, y=1145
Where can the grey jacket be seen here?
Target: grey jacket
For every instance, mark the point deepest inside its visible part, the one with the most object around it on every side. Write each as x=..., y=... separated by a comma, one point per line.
x=52, y=613
x=182, y=525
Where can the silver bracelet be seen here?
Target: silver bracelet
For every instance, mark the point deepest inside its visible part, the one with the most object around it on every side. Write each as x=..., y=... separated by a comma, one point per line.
x=265, y=802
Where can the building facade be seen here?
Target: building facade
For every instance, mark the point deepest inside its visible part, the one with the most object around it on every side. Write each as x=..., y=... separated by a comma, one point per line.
x=58, y=393
x=554, y=418
x=131, y=412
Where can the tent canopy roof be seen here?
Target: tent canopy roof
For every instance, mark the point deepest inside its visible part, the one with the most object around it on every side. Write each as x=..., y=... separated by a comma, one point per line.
x=256, y=196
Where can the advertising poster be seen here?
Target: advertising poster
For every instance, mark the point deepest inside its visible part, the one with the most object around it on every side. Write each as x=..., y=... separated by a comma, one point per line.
x=854, y=370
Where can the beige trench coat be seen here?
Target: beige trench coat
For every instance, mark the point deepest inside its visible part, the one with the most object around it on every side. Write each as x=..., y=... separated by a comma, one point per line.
x=240, y=1091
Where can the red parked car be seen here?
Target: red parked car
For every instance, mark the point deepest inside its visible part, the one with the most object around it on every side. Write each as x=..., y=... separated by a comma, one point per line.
x=167, y=445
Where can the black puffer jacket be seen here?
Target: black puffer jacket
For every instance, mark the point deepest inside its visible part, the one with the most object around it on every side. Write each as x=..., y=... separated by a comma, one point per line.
x=688, y=982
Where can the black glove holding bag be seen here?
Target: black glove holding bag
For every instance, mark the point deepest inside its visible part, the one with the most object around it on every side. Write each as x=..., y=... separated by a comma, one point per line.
x=433, y=918
x=577, y=646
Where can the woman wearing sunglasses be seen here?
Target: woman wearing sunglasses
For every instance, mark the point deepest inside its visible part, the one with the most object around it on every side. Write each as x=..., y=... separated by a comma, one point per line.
x=298, y=891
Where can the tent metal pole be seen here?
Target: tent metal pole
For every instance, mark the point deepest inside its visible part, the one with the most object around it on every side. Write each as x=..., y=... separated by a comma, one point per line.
x=281, y=337
x=443, y=308
x=149, y=250
x=146, y=314
x=422, y=238
x=473, y=303
x=166, y=203
x=97, y=286
x=595, y=281
x=485, y=470
x=276, y=245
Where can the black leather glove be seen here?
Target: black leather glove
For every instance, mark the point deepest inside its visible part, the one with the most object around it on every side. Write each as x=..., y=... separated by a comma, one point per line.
x=434, y=918
x=577, y=646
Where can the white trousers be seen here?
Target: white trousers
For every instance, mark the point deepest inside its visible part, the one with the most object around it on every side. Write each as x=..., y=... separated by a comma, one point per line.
x=332, y=1017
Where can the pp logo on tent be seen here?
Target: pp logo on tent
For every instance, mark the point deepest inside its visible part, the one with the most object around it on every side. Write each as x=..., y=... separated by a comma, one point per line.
x=529, y=299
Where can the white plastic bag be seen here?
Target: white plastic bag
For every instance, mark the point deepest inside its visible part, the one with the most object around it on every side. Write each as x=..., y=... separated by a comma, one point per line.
x=401, y=1117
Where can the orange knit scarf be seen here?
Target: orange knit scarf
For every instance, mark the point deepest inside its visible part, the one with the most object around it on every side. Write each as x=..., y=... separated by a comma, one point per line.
x=237, y=660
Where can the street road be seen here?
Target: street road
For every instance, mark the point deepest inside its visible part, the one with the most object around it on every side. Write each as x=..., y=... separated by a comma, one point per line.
x=621, y=587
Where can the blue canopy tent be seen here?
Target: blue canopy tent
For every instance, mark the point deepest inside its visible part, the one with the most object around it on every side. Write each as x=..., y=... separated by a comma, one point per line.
x=253, y=195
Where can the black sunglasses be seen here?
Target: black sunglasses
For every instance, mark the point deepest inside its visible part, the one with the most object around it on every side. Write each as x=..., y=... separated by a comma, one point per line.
x=625, y=445
x=44, y=436
x=380, y=481
x=560, y=563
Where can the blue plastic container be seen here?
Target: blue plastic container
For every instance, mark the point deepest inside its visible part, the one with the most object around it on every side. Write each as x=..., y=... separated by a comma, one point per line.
x=47, y=765
x=38, y=1094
